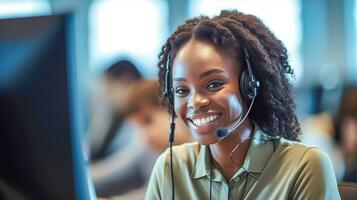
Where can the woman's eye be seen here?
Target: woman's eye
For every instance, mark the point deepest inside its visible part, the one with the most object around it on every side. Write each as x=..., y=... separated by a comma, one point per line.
x=181, y=91
x=215, y=84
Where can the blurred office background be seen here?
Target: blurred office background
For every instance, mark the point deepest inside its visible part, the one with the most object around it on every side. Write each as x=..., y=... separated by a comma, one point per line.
x=320, y=35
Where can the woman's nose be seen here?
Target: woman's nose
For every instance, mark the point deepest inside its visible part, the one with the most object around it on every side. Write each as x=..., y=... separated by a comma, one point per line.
x=197, y=101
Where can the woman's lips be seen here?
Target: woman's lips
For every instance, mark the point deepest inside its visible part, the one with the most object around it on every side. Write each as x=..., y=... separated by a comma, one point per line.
x=205, y=123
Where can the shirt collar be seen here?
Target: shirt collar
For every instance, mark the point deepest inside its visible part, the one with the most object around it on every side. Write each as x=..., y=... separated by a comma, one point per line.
x=259, y=153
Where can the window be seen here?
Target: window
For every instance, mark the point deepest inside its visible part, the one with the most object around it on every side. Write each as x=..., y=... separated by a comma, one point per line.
x=134, y=29
x=10, y=9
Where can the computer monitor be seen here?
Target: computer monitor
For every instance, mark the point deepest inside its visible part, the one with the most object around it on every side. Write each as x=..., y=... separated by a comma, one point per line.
x=40, y=151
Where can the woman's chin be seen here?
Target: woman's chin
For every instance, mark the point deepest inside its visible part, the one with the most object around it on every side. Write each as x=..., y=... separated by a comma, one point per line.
x=205, y=139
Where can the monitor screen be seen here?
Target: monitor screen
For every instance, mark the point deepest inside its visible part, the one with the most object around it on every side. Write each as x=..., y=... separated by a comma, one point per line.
x=35, y=123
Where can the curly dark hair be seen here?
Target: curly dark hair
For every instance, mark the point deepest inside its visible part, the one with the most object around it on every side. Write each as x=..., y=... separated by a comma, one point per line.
x=274, y=108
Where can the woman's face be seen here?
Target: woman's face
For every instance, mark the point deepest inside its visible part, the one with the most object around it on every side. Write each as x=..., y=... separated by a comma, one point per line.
x=206, y=90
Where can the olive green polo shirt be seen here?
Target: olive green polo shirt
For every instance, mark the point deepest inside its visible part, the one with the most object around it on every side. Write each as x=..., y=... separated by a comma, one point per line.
x=279, y=169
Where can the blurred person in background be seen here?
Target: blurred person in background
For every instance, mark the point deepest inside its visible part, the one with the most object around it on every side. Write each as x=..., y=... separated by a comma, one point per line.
x=108, y=115
x=108, y=132
x=346, y=126
x=145, y=112
x=125, y=172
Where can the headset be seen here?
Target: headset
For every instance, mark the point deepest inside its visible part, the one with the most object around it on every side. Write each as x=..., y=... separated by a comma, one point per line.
x=248, y=85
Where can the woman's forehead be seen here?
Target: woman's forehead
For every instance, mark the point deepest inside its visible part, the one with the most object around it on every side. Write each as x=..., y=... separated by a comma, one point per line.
x=197, y=57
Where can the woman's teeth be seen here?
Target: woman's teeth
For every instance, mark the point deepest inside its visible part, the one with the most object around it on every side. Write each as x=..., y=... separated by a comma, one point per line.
x=204, y=121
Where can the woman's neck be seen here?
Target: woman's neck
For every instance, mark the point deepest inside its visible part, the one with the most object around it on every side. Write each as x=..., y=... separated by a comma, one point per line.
x=221, y=150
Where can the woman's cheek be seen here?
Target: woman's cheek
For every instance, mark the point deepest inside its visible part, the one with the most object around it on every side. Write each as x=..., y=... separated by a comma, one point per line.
x=180, y=109
x=235, y=106
x=232, y=105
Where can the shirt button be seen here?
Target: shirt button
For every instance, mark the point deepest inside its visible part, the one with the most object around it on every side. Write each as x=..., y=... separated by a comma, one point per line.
x=236, y=179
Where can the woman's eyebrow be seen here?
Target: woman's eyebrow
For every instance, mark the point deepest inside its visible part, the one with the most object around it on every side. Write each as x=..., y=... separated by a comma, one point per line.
x=209, y=72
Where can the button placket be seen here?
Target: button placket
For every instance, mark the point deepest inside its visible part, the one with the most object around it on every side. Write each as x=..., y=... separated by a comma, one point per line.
x=224, y=191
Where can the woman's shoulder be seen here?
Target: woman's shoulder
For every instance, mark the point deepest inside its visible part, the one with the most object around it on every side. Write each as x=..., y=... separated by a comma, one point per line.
x=296, y=147
x=310, y=169
x=303, y=154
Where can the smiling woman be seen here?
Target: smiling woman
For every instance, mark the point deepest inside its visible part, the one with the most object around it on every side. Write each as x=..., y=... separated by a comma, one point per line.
x=229, y=73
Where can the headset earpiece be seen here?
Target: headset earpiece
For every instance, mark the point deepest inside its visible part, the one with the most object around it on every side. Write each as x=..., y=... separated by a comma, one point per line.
x=248, y=87
x=248, y=84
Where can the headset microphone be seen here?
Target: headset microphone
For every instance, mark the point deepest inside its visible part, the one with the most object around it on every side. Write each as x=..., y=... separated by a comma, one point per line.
x=222, y=132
